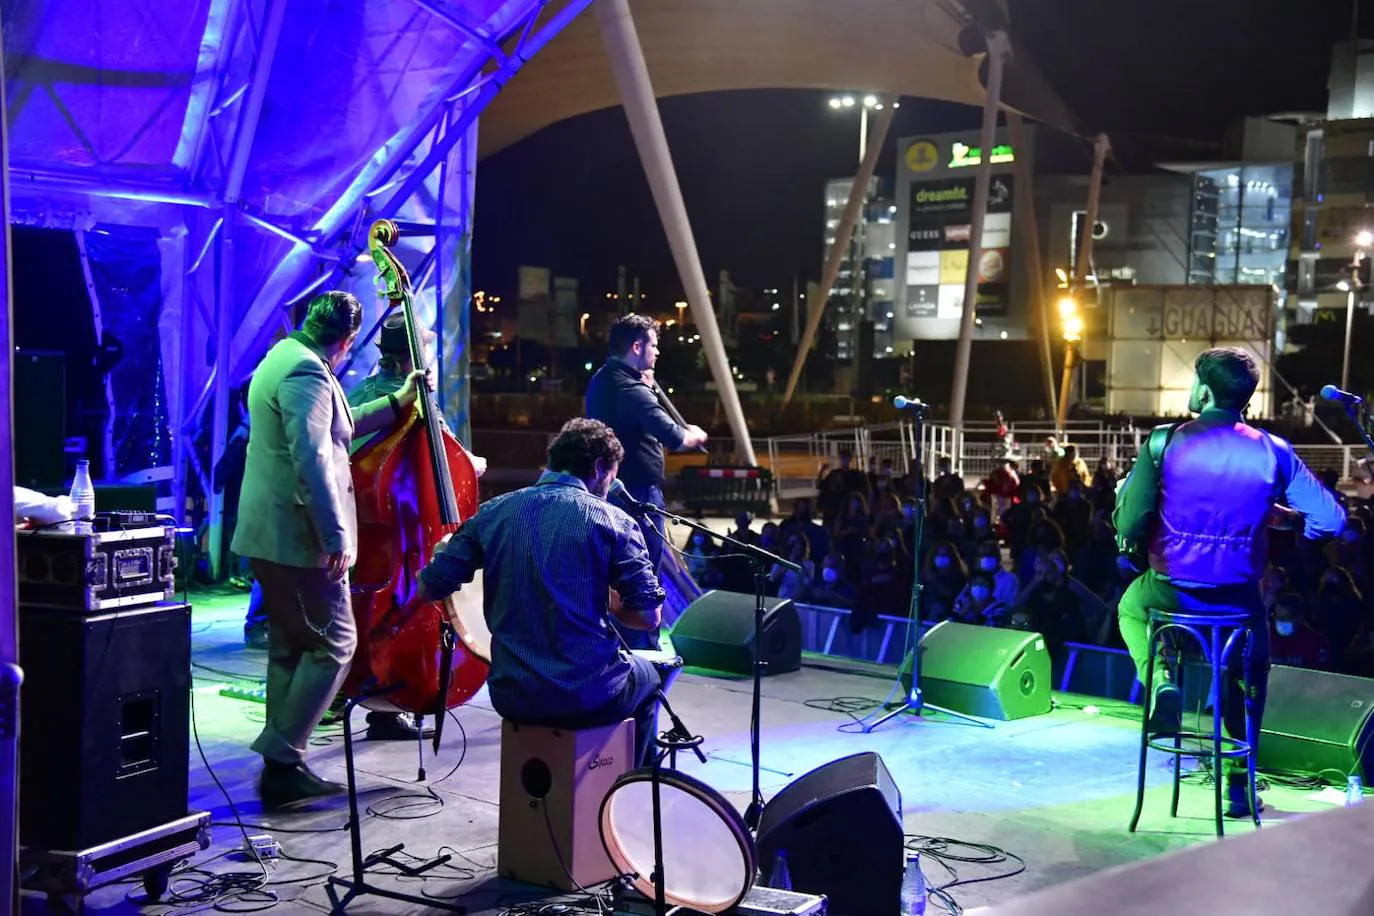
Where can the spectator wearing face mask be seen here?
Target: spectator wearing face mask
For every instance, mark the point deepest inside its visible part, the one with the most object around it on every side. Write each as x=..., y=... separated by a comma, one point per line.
x=1339, y=607
x=947, y=484
x=1348, y=552
x=1293, y=641
x=977, y=604
x=1046, y=537
x=850, y=532
x=835, y=589
x=979, y=532
x=1095, y=563
x=837, y=486
x=701, y=557
x=882, y=482
x=989, y=563
x=1073, y=512
x=790, y=584
x=1017, y=519
x=1053, y=605
x=942, y=579
x=1273, y=582
x=801, y=522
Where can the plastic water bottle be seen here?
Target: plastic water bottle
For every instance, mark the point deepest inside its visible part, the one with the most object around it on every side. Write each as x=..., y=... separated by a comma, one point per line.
x=781, y=878
x=913, y=887
x=1354, y=792
x=83, y=497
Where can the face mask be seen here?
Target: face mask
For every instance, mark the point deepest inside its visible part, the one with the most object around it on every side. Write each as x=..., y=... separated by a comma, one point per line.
x=988, y=564
x=1032, y=499
x=908, y=513
x=699, y=540
x=1075, y=494
x=980, y=522
x=882, y=484
x=942, y=562
x=980, y=593
x=1284, y=627
x=956, y=529
x=1350, y=536
x=830, y=575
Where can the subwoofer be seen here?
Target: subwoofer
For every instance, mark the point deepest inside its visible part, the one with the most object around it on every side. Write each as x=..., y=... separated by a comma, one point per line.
x=717, y=631
x=105, y=718
x=983, y=671
x=841, y=828
x=1316, y=720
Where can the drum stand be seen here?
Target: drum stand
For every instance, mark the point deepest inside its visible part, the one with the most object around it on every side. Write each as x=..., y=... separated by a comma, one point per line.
x=675, y=739
x=914, y=702
x=357, y=885
x=762, y=561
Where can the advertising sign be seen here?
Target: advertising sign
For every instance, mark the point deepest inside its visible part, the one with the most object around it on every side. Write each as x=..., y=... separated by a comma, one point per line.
x=938, y=235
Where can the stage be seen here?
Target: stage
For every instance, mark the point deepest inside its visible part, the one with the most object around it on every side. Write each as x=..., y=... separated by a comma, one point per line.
x=1055, y=790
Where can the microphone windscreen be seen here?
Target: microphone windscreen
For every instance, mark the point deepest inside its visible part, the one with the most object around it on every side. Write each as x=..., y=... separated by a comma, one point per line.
x=1330, y=393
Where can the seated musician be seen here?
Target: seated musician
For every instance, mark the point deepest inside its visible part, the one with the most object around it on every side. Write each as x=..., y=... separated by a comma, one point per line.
x=550, y=553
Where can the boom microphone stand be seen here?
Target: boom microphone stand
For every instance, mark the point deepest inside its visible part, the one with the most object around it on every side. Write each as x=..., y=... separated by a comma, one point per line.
x=914, y=702
x=762, y=561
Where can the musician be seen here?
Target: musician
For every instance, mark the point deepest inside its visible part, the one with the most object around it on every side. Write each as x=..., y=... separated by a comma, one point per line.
x=620, y=397
x=1201, y=498
x=297, y=525
x=549, y=553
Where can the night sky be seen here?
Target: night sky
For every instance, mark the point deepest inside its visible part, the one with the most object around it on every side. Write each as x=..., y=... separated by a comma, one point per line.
x=1155, y=74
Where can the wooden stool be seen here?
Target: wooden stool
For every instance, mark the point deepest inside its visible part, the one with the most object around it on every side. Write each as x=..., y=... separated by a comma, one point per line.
x=553, y=781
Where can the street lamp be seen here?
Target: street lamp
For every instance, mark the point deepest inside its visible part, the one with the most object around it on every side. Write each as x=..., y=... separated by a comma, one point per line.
x=681, y=312
x=1363, y=239
x=582, y=324
x=865, y=105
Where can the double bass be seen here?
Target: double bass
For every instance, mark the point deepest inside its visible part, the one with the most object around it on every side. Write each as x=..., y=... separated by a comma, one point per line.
x=414, y=487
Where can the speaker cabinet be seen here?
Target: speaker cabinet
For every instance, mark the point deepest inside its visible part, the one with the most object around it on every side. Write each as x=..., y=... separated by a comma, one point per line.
x=1316, y=720
x=841, y=827
x=983, y=671
x=717, y=631
x=553, y=781
x=103, y=740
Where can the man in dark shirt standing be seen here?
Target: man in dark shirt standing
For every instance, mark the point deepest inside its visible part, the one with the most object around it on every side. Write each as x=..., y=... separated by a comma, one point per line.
x=620, y=397
x=550, y=554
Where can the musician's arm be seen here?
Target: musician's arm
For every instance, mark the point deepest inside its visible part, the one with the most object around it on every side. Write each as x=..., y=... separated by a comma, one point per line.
x=655, y=420
x=632, y=576
x=1137, y=499
x=1322, y=514
x=454, y=564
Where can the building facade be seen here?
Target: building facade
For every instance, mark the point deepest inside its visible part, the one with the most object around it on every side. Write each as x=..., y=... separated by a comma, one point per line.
x=861, y=301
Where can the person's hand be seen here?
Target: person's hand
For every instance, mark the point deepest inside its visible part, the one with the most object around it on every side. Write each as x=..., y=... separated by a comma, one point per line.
x=695, y=437
x=411, y=389
x=479, y=464
x=339, y=564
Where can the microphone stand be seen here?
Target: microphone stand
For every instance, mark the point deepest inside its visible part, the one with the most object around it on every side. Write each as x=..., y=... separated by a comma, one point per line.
x=1360, y=417
x=914, y=701
x=761, y=560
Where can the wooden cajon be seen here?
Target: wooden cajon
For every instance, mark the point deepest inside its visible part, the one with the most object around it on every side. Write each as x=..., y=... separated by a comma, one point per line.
x=553, y=781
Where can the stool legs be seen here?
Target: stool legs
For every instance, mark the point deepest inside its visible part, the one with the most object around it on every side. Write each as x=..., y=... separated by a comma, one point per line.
x=1251, y=732
x=1218, y=705
x=1146, y=709
x=1178, y=744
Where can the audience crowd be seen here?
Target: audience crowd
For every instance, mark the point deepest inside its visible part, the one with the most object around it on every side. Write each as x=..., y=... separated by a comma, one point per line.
x=1033, y=548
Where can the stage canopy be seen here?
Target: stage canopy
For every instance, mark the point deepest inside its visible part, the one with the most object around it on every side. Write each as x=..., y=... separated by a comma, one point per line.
x=229, y=155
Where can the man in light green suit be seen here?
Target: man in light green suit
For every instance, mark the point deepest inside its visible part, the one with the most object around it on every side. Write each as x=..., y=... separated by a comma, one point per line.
x=298, y=526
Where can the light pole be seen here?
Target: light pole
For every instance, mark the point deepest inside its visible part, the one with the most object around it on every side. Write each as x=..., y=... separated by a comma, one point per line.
x=1072, y=323
x=1363, y=240
x=858, y=274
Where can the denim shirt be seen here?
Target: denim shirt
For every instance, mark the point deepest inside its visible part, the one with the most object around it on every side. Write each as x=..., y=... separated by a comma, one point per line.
x=550, y=554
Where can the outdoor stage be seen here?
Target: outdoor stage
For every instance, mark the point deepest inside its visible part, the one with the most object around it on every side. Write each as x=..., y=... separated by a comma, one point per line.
x=1055, y=790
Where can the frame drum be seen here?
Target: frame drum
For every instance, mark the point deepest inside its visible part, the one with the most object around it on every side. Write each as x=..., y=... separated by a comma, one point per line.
x=465, y=610
x=667, y=664
x=709, y=859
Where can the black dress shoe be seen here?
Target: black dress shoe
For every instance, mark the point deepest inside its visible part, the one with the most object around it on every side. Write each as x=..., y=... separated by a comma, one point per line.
x=1166, y=712
x=1238, y=796
x=395, y=726
x=284, y=785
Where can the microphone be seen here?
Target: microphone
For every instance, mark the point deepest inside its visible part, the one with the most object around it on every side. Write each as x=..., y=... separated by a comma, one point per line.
x=1332, y=393
x=621, y=496
x=904, y=403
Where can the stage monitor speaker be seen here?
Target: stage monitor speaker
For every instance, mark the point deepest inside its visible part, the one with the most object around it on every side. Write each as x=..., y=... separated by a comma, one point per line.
x=841, y=828
x=104, y=739
x=983, y=671
x=1316, y=720
x=717, y=631
x=40, y=419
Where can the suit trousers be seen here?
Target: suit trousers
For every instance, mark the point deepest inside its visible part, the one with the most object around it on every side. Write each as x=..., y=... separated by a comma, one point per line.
x=652, y=527
x=311, y=638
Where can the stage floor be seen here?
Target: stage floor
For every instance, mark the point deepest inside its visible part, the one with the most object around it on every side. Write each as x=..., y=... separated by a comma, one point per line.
x=1056, y=790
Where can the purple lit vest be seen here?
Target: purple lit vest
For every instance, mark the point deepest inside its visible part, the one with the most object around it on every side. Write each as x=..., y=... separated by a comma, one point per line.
x=1220, y=479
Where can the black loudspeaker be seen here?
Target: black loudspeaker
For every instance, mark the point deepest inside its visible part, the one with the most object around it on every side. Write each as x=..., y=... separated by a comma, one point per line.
x=983, y=671
x=841, y=828
x=1316, y=720
x=717, y=631
x=104, y=743
x=40, y=423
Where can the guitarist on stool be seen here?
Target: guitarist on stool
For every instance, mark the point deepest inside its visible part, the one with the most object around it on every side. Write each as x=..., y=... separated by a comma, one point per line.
x=620, y=397
x=1197, y=504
